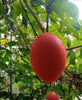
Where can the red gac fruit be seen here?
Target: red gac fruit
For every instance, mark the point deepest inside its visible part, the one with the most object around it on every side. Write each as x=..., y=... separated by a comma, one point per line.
x=52, y=96
x=48, y=57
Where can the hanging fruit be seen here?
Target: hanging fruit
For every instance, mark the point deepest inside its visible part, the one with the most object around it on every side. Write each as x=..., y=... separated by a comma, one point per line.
x=48, y=57
x=52, y=96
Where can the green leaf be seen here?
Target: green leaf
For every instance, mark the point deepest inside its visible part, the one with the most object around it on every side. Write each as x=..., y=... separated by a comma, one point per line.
x=1, y=79
x=24, y=51
x=3, y=65
x=60, y=35
x=12, y=43
x=80, y=68
x=80, y=52
x=54, y=17
x=7, y=51
x=72, y=57
x=80, y=33
x=75, y=33
x=57, y=88
x=28, y=67
x=2, y=9
x=28, y=80
x=64, y=7
x=16, y=9
x=76, y=42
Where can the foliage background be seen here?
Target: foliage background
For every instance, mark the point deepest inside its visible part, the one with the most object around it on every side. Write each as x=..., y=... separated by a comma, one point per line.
x=19, y=26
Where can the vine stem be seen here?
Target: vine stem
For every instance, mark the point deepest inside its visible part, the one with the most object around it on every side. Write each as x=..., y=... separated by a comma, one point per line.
x=11, y=72
x=27, y=5
x=47, y=11
x=74, y=48
x=28, y=17
x=67, y=73
x=47, y=23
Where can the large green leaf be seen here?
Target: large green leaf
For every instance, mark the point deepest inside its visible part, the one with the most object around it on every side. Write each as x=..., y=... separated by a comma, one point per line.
x=62, y=7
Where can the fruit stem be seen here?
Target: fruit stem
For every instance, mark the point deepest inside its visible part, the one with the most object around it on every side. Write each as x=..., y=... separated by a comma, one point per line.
x=52, y=86
x=47, y=21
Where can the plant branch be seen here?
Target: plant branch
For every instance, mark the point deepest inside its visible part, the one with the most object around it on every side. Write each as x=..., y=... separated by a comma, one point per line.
x=74, y=48
x=71, y=76
x=27, y=17
x=67, y=73
x=11, y=68
x=27, y=5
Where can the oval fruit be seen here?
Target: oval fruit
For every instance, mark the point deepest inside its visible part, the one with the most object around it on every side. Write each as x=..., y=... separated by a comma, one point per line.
x=48, y=57
x=52, y=96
